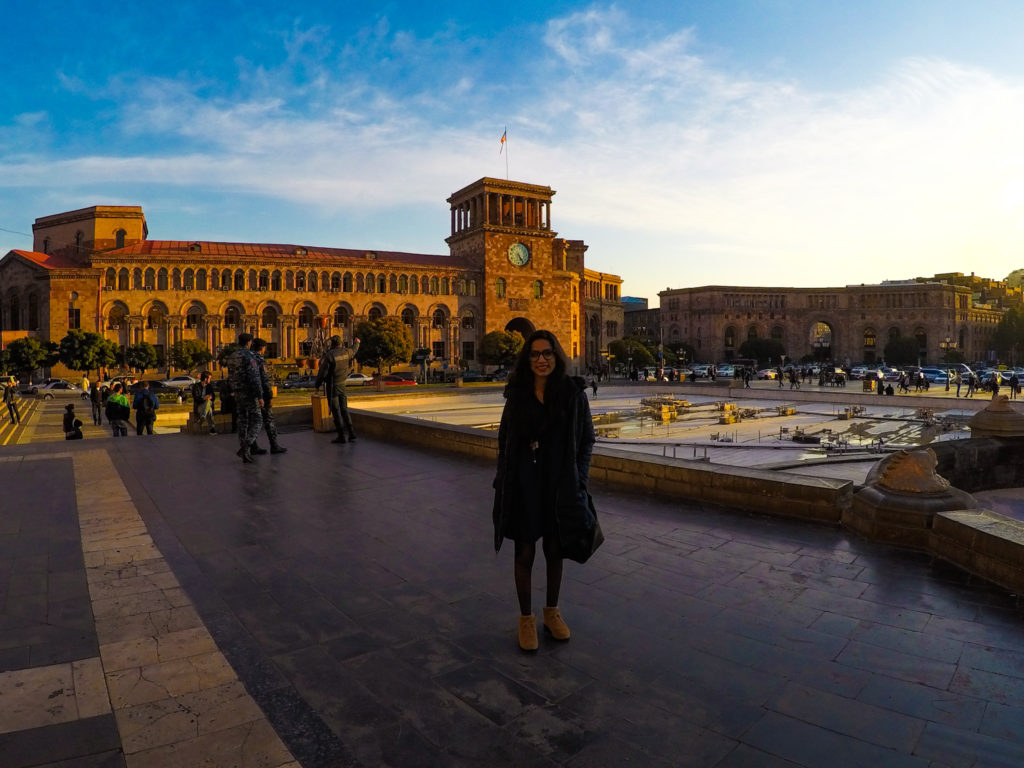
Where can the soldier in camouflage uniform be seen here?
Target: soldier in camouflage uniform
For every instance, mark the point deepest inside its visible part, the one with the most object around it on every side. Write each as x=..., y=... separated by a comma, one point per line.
x=243, y=373
x=258, y=345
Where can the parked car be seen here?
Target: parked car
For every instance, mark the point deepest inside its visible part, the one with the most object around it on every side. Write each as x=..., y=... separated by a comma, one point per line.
x=303, y=382
x=157, y=388
x=357, y=379
x=59, y=389
x=181, y=382
x=392, y=380
x=766, y=373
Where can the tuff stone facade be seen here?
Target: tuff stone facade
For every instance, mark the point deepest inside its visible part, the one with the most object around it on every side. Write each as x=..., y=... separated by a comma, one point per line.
x=96, y=269
x=845, y=324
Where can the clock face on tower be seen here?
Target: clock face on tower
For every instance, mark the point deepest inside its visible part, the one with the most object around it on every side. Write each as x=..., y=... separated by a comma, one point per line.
x=518, y=254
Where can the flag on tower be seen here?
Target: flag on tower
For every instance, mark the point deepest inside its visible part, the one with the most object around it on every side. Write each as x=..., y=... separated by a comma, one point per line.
x=504, y=138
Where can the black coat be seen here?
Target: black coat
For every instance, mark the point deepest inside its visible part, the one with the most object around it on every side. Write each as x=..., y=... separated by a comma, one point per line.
x=573, y=472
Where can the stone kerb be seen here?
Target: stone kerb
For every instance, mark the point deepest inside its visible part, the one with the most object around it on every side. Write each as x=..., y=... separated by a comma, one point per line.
x=981, y=542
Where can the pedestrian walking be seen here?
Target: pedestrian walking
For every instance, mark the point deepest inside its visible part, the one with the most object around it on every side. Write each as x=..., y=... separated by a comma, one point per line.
x=335, y=366
x=203, y=396
x=117, y=411
x=245, y=384
x=593, y=386
x=145, y=405
x=269, y=425
x=11, y=400
x=544, y=446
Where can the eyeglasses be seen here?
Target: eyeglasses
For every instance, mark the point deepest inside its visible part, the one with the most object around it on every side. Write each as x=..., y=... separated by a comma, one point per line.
x=547, y=354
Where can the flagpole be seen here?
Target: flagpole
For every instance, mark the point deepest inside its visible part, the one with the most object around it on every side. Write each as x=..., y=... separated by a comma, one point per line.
x=506, y=153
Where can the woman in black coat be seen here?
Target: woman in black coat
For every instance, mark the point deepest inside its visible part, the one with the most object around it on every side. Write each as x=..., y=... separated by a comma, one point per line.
x=544, y=446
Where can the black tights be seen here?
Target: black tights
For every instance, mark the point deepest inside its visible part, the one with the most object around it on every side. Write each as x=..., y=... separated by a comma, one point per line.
x=525, y=553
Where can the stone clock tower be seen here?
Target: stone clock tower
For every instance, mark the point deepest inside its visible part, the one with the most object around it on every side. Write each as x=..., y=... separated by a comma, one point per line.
x=529, y=276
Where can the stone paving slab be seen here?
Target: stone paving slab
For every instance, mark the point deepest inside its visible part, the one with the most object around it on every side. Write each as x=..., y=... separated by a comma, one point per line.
x=342, y=606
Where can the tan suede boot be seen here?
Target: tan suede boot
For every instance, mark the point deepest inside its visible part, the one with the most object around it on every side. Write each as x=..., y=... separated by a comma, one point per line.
x=528, y=633
x=554, y=624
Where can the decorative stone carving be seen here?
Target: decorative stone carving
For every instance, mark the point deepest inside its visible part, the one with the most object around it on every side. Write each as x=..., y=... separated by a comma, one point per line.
x=998, y=419
x=912, y=472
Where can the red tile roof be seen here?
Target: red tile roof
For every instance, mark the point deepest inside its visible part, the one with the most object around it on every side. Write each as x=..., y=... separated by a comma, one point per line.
x=209, y=251
x=49, y=260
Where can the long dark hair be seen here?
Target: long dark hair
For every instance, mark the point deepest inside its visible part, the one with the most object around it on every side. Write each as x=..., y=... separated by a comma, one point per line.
x=521, y=377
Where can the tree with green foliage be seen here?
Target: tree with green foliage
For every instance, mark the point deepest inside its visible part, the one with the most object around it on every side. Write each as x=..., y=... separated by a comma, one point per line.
x=631, y=348
x=765, y=351
x=190, y=354
x=385, y=341
x=500, y=348
x=903, y=350
x=139, y=356
x=1008, y=339
x=28, y=354
x=86, y=351
x=5, y=360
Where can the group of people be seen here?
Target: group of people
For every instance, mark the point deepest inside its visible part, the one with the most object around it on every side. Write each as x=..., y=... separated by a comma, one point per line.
x=253, y=399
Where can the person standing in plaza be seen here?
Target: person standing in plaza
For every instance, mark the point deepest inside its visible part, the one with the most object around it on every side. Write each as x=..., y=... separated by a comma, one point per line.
x=335, y=366
x=269, y=425
x=248, y=392
x=202, y=400
x=145, y=404
x=11, y=398
x=117, y=411
x=545, y=442
x=96, y=401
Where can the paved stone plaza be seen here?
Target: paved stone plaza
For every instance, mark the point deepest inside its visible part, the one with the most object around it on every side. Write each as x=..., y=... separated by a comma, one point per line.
x=341, y=606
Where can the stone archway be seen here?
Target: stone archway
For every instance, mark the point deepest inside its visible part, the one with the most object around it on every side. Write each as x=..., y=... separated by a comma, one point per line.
x=521, y=324
x=821, y=341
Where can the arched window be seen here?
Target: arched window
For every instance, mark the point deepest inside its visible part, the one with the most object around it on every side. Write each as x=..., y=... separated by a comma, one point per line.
x=414, y=284
x=335, y=281
x=393, y=283
x=374, y=313
x=435, y=286
x=119, y=237
x=499, y=288
x=382, y=284
x=460, y=286
x=312, y=281
x=268, y=318
x=424, y=284
x=730, y=337
x=341, y=317
x=468, y=321
x=275, y=280
x=155, y=318
x=472, y=288
x=403, y=284
x=194, y=316
x=232, y=318
x=201, y=279
x=752, y=332
x=189, y=279
x=110, y=280
x=253, y=280
x=116, y=318
x=289, y=280
x=300, y=281
x=325, y=281
x=15, y=324
x=161, y=280
x=370, y=283
x=305, y=318
x=538, y=289
x=869, y=338
x=408, y=316
x=346, y=282
x=359, y=282
x=445, y=286
x=264, y=280
x=150, y=279
x=439, y=318
x=225, y=280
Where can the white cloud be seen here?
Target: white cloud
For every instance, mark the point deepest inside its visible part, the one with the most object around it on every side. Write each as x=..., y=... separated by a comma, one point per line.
x=723, y=178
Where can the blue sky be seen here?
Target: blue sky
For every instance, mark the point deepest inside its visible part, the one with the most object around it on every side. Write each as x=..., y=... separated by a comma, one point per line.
x=767, y=142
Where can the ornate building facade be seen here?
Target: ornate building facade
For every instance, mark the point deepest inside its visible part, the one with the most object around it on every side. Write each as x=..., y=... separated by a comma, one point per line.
x=851, y=324
x=96, y=269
